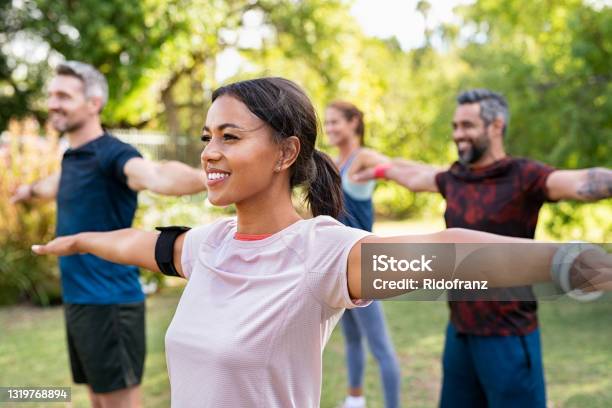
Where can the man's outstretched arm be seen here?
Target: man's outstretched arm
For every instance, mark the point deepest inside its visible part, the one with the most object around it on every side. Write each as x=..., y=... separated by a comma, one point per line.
x=167, y=178
x=583, y=185
x=45, y=188
x=417, y=177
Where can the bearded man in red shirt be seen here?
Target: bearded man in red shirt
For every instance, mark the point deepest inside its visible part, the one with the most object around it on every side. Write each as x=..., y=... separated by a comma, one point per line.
x=492, y=353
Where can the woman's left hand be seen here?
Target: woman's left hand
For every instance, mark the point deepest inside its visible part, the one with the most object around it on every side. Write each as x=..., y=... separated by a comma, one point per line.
x=592, y=270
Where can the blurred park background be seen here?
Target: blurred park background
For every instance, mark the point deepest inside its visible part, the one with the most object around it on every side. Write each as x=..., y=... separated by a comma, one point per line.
x=401, y=62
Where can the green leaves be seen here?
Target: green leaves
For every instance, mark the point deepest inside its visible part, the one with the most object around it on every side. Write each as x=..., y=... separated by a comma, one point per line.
x=552, y=59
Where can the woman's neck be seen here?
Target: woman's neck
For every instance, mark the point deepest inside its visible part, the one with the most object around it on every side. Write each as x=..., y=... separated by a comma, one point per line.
x=346, y=149
x=266, y=213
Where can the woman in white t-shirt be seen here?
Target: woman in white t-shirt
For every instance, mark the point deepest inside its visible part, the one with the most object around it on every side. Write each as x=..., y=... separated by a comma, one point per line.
x=266, y=288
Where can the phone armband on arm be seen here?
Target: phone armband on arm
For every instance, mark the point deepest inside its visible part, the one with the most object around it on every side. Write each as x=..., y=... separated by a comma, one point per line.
x=164, y=249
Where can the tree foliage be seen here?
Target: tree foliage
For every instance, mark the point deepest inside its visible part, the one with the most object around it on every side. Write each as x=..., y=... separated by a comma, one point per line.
x=24, y=160
x=552, y=60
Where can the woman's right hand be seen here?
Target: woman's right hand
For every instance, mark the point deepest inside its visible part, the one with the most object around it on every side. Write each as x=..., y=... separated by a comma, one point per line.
x=127, y=246
x=61, y=246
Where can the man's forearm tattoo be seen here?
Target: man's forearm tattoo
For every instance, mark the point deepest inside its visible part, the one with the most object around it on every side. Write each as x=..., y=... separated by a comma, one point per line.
x=598, y=184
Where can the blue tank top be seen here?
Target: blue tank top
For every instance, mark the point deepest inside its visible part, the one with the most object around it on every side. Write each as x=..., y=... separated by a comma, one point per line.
x=358, y=208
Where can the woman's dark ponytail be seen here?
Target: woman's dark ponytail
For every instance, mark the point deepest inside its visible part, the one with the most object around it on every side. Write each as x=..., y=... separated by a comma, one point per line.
x=324, y=194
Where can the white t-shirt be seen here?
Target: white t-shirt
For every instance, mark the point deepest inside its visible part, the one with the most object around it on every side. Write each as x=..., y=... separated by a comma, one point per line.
x=252, y=322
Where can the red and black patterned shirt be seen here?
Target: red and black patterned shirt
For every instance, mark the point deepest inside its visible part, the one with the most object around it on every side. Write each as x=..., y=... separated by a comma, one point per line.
x=503, y=198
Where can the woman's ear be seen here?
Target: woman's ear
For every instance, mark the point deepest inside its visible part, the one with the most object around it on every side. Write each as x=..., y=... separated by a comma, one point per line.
x=289, y=151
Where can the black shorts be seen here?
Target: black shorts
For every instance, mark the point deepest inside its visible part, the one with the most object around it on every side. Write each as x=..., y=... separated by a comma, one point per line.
x=106, y=344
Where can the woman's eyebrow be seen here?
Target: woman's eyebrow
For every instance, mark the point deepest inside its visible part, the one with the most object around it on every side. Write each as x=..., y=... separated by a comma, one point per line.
x=224, y=126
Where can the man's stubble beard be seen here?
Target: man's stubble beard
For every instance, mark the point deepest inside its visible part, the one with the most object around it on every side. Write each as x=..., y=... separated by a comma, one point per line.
x=477, y=150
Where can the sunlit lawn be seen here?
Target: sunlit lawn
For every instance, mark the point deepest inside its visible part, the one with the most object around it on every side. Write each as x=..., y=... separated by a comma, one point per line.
x=576, y=338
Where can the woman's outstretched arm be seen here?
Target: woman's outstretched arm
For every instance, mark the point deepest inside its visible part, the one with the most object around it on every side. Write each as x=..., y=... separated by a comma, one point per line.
x=128, y=246
x=500, y=260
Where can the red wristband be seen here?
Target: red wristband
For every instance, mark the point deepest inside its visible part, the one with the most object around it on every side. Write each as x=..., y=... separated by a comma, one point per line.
x=380, y=170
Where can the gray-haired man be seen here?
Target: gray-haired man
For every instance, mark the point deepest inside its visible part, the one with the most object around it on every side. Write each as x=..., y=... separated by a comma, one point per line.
x=492, y=355
x=96, y=190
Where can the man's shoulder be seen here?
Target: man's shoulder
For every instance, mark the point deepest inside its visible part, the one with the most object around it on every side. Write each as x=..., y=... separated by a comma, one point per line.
x=109, y=146
x=112, y=154
x=526, y=161
x=110, y=140
x=453, y=169
x=527, y=166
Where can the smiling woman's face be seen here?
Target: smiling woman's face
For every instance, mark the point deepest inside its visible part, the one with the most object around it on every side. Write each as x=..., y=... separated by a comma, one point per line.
x=339, y=130
x=239, y=155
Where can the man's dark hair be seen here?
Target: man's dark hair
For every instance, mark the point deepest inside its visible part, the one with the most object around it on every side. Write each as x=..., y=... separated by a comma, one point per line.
x=492, y=105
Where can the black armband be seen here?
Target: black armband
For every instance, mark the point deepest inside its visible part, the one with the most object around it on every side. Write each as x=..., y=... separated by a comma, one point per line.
x=164, y=249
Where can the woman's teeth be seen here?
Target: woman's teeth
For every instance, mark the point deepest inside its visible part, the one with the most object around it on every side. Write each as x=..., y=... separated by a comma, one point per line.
x=217, y=176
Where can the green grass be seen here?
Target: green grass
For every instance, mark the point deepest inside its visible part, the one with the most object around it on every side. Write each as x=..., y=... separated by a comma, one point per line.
x=576, y=342
x=33, y=350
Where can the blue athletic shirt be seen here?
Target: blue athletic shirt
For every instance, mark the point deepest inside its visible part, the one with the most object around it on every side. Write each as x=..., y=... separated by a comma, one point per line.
x=93, y=196
x=358, y=213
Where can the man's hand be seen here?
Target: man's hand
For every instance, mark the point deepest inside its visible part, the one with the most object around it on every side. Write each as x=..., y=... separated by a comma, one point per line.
x=45, y=188
x=61, y=246
x=22, y=193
